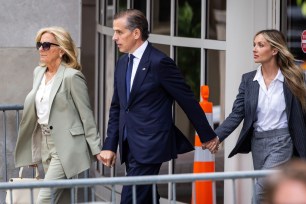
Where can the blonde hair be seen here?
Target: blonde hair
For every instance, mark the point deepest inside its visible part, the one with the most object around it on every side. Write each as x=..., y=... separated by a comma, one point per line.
x=294, y=74
x=65, y=42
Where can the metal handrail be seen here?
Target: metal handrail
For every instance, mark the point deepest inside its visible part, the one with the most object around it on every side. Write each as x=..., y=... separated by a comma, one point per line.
x=140, y=180
x=4, y=108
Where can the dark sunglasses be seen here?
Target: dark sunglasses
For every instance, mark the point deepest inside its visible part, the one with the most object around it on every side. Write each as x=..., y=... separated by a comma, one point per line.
x=45, y=45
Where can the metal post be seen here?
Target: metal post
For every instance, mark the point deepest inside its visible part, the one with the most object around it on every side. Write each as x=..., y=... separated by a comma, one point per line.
x=72, y=196
x=5, y=159
x=134, y=194
x=86, y=173
x=93, y=198
x=113, y=194
x=254, y=191
x=173, y=193
x=154, y=192
x=234, y=191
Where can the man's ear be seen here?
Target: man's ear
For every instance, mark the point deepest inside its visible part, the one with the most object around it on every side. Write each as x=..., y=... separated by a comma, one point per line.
x=137, y=34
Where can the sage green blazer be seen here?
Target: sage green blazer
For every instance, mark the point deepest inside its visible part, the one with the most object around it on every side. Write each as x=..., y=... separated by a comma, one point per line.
x=71, y=122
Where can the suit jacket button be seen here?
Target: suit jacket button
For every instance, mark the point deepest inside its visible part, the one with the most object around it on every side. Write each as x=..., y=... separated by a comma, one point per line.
x=51, y=127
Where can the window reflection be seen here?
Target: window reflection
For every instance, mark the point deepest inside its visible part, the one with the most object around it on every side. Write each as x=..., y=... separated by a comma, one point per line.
x=188, y=18
x=188, y=61
x=216, y=19
x=215, y=78
x=164, y=48
x=110, y=11
x=140, y=5
x=296, y=22
x=161, y=17
x=122, y=4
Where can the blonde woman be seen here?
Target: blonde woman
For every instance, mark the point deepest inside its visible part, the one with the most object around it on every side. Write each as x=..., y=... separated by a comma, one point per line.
x=272, y=103
x=57, y=128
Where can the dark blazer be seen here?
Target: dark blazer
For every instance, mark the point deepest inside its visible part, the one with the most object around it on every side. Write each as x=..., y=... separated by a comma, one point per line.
x=245, y=107
x=147, y=116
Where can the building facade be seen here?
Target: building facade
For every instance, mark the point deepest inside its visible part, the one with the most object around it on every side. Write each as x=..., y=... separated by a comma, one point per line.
x=210, y=40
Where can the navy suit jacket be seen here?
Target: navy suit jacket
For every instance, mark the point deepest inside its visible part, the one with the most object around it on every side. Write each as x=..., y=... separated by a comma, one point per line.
x=245, y=107
x=147, y=116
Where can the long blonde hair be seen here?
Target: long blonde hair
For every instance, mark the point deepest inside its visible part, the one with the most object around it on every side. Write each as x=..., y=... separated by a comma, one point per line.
x=63, y=38
x=294, y=74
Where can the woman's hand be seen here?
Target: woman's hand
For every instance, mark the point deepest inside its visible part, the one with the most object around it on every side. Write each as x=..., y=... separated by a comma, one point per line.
x=99, y=158
x=108, y=158
x=212, y=145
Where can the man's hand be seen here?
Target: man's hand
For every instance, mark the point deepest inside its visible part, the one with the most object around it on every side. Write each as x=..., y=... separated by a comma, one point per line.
x=108, y=158
x=99, y=158
x=212, y=145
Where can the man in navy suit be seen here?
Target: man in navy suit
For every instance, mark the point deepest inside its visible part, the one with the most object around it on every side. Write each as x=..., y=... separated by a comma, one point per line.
x=146, y=83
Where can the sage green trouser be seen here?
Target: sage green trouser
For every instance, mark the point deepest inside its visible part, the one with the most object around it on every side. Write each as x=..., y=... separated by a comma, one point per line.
x=53, y=171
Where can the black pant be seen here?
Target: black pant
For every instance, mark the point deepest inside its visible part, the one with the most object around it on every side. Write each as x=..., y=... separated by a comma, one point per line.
x=144, y=193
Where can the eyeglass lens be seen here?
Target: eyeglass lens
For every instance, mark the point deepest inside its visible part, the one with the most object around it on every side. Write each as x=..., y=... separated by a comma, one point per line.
x=45, y=45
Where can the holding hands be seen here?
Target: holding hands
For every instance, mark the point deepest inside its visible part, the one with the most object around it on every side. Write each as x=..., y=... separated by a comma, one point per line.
x=212, y=145
x=108, y=158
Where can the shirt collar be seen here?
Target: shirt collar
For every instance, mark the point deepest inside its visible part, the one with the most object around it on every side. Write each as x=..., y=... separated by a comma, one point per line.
x=279, y=76
x=139, y=51
x=258, y=77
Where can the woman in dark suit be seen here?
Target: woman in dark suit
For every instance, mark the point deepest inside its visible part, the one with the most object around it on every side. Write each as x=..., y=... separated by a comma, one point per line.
x=57, y=128
x=272, y=103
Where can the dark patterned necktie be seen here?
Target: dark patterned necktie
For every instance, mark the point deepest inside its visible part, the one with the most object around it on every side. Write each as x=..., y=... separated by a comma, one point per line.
x=128, y=76
x=128, y=85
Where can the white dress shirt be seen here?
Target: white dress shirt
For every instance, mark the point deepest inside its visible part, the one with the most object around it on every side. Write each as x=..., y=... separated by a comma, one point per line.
x=42, y=100
x=271, y=108
x=137, y=54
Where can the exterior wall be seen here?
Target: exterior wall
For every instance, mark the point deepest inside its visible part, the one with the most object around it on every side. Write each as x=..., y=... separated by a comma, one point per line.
x=20, y=20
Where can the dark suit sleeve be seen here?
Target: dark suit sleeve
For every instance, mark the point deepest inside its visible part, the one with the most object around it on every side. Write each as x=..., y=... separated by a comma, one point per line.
x=236, y=116
x=111, y=141
x=173, y=82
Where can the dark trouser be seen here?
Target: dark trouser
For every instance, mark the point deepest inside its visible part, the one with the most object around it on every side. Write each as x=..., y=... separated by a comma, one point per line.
x=270, y=149
x=144, y=193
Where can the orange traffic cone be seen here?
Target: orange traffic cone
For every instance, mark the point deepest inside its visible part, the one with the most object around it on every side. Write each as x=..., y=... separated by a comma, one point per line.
x=204, y=161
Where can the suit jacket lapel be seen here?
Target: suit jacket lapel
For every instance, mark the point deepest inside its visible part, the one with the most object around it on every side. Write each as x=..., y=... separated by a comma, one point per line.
x=56, y=84
x=38, y=77
x=253, y=94
x=121, y=73
x=141, y=72
x=288, y=99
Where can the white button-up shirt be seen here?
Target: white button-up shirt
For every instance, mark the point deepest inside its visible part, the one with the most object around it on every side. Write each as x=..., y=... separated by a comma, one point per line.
x=42, y=100
x=271, y=108
x=138, y=54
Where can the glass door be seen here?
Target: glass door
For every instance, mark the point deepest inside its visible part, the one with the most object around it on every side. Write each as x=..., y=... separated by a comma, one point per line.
x=293, y=25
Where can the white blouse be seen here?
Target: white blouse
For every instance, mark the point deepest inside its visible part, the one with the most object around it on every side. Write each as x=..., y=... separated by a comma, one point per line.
x=42, y=100
x=271, y=108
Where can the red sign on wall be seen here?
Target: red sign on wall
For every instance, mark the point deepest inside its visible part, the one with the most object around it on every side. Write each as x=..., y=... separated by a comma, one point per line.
x=303, y=41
